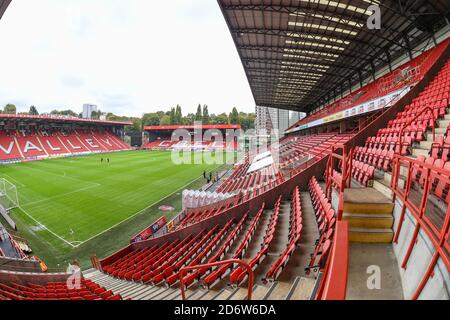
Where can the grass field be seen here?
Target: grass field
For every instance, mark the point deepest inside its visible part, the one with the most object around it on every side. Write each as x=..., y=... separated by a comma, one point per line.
x=73, y=207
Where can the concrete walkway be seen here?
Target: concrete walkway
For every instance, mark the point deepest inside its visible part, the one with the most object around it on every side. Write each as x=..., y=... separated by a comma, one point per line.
x=362, y=258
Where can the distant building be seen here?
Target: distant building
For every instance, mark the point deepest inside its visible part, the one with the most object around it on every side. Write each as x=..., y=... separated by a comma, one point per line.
x=88, y=109
x=270, y=119
x=295, y=117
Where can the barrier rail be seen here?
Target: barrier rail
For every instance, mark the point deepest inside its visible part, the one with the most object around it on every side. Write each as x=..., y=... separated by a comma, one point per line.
x=333, y=285
x=215, y=264
x=346, y=177
x=416, y=194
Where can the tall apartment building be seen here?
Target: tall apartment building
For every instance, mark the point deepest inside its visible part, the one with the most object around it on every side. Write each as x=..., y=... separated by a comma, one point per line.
x=88, y=109
x=270, y=119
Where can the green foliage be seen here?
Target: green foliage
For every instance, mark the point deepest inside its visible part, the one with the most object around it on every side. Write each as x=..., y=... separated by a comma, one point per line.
x=234, y=116
x=33, y=111
x=10, y=109
x=205, y=115
x=199, y=115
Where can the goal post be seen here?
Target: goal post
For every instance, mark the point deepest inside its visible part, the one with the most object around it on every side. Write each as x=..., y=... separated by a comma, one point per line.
x=9, y=198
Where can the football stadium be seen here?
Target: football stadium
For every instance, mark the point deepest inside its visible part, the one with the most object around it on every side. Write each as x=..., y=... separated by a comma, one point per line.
x=348, y=202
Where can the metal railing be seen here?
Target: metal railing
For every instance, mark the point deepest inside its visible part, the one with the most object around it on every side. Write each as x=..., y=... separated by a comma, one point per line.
x=251, y=276
x=415, y=195
x=344, y=182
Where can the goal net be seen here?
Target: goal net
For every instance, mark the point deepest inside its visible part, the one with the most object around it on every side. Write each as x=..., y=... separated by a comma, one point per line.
x=9, y=198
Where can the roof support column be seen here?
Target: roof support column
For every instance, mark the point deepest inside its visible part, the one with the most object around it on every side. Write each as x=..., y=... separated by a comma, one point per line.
x=388, y=57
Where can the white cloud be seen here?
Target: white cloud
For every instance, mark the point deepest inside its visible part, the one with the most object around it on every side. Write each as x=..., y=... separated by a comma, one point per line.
x=129, y=57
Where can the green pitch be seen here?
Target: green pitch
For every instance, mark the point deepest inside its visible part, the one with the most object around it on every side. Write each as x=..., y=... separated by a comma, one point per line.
x=68, y=203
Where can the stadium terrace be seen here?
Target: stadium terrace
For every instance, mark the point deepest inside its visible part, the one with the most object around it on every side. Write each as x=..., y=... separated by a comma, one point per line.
x=350, y=203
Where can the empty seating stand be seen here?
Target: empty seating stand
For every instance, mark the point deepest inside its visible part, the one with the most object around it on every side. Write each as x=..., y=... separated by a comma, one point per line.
x=39, y=144
x=326, y=221
x=56, y=291
x=414, y=122
x=295, y=232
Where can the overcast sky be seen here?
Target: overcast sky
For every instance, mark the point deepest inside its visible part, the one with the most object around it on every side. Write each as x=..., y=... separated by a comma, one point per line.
x=128, y=57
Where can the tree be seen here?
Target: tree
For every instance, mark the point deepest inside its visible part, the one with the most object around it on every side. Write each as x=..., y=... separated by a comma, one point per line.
x=10, y=109
x=33, y=111
x=178, y=115
x=221, y=119
x=198, y=115
x=151, y=119
x=205, y=118
x=247, y=121
x=172, y=116
x=65, y=113
x=165, y=121
x=234, y=116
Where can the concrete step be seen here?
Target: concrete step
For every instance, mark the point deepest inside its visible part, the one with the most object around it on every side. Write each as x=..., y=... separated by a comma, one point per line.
x=210, y=295
x=443, y=123
x=447, y=117
x=369, y=221
x=133, y=290
x=144, y=293
x=225, y=294
x=440, y=130
x=426, y=144
x=420, y=152
x=383, y=188
x=280, y=291
x=366, y=235
x=164, y=294
x=259, y=292
x=429, y=135
x=366, y=200
x=302, y=289
x=90, y=271
x=197, y=295
x=240, y=294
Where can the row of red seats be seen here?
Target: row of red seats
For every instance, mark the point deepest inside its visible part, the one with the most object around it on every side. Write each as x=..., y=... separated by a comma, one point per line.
x=200, y=215
x=295, y=232
x=378, y=158
x=192, y=276
x=57, y=291
x=240, y=273
x=378, y=149
x=205, y=252
x=440, y=148
x=326, y=221
x=218, y=272
x=238, y=172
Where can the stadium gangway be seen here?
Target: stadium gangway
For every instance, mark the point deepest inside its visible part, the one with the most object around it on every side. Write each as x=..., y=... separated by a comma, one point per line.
x=244, y=264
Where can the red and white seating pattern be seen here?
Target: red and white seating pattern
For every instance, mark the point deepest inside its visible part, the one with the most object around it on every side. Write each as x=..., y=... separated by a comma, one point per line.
x=29, y=145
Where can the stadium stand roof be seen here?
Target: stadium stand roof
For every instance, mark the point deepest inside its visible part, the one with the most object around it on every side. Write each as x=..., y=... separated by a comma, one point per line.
x=191, y=127
x=301, y=54
x=28, y=118
x=3, y=5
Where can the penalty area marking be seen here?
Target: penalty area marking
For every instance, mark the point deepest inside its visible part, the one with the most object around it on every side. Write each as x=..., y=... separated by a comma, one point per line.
x=141, y=211
x=46, y=228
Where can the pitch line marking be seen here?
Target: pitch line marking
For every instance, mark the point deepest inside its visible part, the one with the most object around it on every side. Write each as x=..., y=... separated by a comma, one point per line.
x=46, y=228
x=21, y=185
x=141, y=211
x=61, y=195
